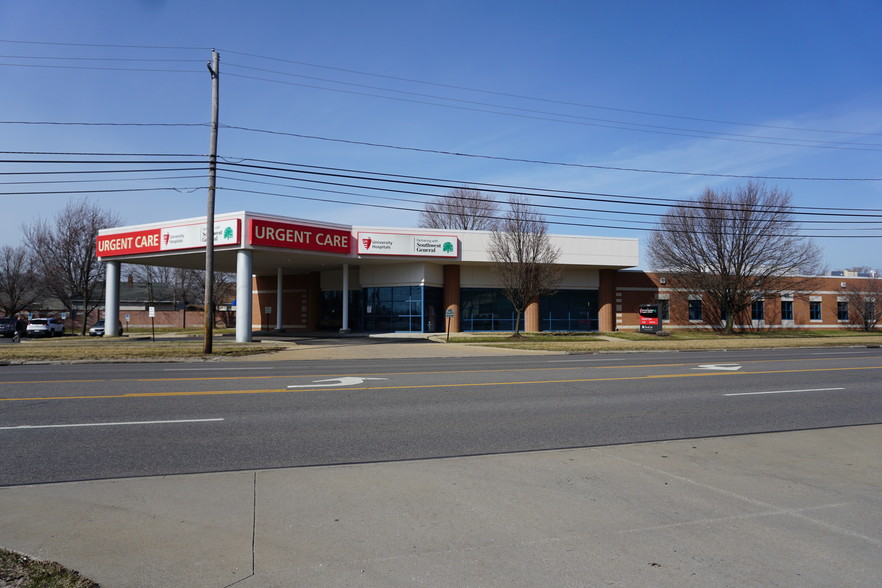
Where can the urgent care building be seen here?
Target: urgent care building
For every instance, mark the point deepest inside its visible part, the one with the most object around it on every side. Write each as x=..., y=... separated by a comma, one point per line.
x=305, y=275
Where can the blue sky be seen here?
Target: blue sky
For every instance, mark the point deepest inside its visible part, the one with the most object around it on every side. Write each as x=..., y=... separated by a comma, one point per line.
x=596, y=86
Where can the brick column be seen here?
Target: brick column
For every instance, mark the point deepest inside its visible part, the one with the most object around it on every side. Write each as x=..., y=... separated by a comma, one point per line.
x=451, y=296
x=531, y=317
x=606, y=300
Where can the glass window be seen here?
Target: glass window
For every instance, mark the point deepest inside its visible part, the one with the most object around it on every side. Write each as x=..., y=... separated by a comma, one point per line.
x=815, y=310
x=331, y=310
x=695, y=310
x=569, y=310
x=842, y=310
x=486, y=309
x=786, y=310
x=665, y=308
x=393, y=309
x=433, y=310
x=758, y=310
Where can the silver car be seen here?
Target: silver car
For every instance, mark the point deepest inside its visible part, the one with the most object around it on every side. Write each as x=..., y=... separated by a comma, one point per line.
x=45, y=327
x=98, y=329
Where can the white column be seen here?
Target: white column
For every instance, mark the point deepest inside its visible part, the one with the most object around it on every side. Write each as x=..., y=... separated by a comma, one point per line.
x=111, y=299
x=279, y=299
x=243, y=296
x=345, y=328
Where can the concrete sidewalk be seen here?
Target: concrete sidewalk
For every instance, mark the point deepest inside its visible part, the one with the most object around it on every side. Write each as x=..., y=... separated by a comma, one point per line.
x=787, y=509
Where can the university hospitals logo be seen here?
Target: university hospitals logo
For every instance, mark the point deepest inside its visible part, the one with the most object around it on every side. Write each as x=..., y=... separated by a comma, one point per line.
x=367, y=242
x=165, y=239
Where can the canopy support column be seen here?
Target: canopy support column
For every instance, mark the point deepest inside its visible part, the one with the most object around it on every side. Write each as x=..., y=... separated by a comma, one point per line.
x=243, y=295
x=111, y=298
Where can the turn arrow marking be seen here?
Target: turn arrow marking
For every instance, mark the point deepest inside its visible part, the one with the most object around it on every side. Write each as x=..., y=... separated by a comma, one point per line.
x=345, y=381
x=727, y=367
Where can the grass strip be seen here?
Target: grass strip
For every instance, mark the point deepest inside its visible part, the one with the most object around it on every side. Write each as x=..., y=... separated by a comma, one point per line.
x=17, y=570
x=126, y=348
x=675, y=341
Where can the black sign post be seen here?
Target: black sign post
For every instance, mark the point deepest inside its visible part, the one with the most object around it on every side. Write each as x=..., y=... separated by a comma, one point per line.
x=448, y=314
x=650, y=318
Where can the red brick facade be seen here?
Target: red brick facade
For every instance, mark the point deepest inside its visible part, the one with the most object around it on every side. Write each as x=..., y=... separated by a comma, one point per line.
x=633, y=288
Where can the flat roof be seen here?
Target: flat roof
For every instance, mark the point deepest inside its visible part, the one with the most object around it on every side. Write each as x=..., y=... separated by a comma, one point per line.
x=304, y=245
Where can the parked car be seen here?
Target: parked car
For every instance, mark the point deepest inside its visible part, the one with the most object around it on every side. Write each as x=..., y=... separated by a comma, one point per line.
x=45, y=327
x=97, y=329
x=9, y=326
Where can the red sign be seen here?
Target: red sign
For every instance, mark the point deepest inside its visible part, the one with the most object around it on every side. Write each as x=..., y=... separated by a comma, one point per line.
x=192, y=236
x=645, y=320
x=292, y=236
x=128, y=243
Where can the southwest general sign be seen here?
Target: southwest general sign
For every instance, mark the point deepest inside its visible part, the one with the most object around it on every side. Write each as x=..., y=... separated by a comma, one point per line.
x=407, y=244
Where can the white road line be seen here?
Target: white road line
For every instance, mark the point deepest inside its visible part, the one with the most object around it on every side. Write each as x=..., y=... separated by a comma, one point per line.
x=783, y=391
x=215, y=369
x=109, y=424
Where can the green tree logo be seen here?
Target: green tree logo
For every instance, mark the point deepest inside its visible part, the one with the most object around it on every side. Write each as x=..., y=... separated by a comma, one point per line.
x=448, y=247
x=228, y=233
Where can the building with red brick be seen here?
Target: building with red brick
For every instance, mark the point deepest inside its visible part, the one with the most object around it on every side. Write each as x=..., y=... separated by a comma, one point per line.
x=301, y=275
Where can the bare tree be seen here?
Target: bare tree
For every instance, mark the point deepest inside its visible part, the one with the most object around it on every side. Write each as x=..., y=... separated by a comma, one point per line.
x=523, y=258
x=64, y=254
x=865, y=304
x=224, y=289
x=462, y=208
x=18, y=282
x=732, y=247
x=182, y=285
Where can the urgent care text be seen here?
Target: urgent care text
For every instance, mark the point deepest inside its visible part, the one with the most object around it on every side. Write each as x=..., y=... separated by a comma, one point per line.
x=293, y=236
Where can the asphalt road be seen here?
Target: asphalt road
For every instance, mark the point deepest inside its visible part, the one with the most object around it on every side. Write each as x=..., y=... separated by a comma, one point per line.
x=84, y=422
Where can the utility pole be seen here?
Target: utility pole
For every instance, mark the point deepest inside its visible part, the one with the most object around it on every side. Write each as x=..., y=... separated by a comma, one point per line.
x=214, y=68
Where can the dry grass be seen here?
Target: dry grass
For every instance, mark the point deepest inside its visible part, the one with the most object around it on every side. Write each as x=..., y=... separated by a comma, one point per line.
x=17, y=570
x=678, y=341
x=126, y=348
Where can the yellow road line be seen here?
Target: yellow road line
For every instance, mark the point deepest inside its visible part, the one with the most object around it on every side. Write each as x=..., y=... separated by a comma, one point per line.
x=486, y=371
x=423, y=386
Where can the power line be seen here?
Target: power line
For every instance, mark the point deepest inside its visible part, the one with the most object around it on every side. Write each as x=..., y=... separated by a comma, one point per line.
x=685, y=204
x=95, y=161
x=59, y=44
x=411, y=80
x=288, y=167
x=99, y=171
x=127, y=59
x=548, y=100
x=95, y=180
x=95, y=124
x=543, y=206
x=98, y=68
x=102, y=154
x=503, y=187
x=572, y=224
x=107, y=191
x=545, y=118
x=544, y=162
x=447, y=184
x=642, y=127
